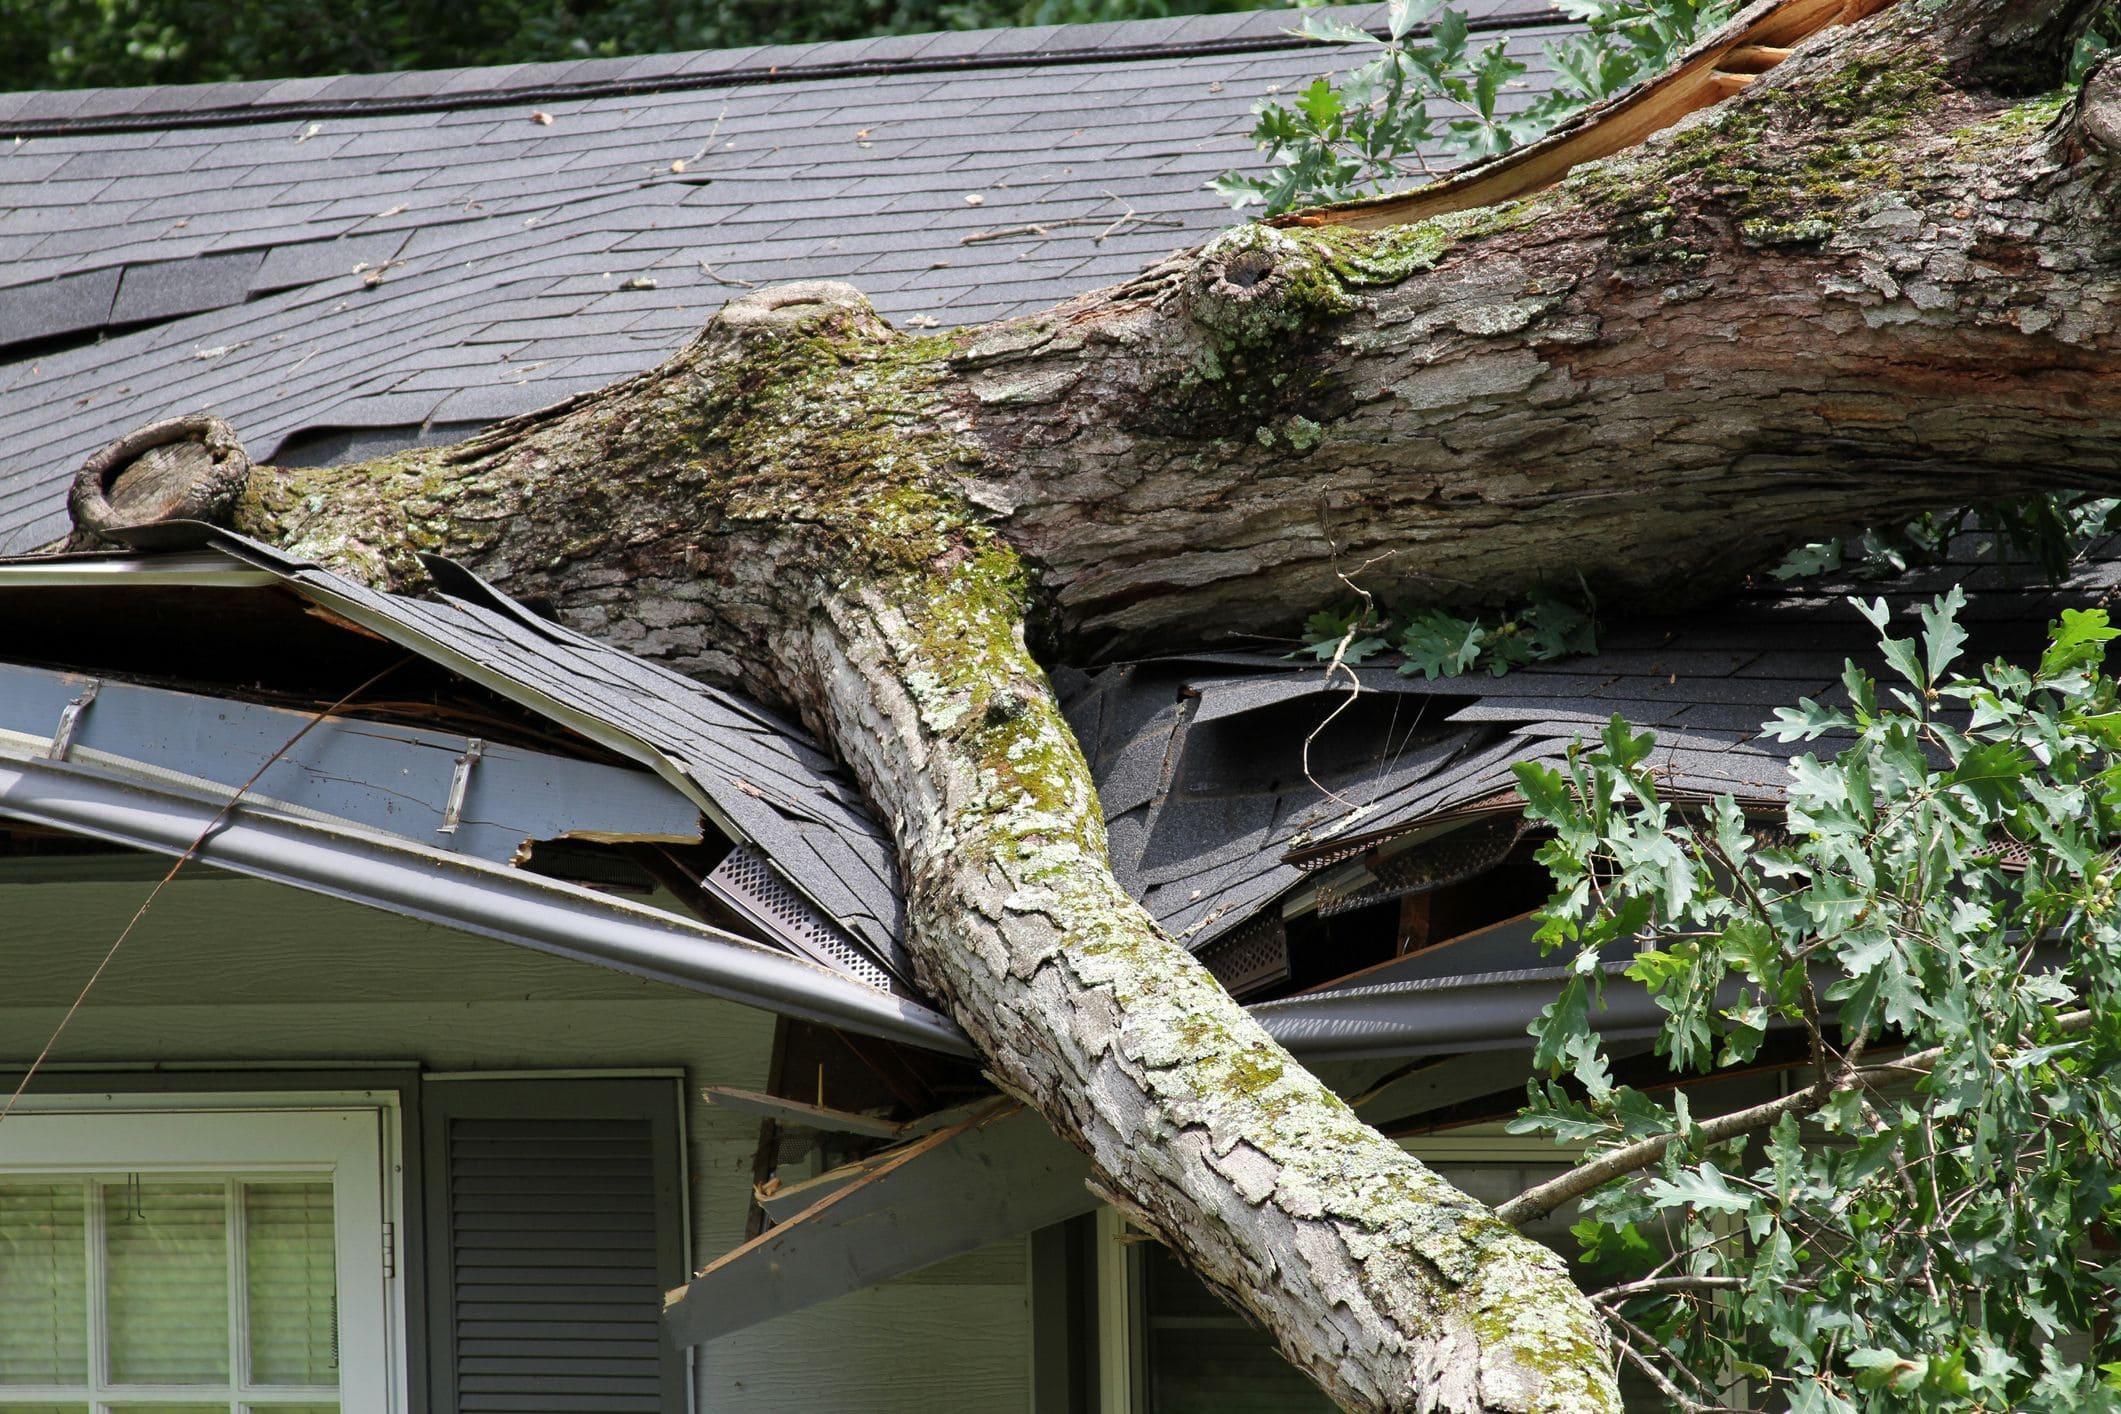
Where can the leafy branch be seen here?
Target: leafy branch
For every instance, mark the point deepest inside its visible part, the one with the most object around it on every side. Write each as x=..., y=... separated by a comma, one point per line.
x=1429, y=93
x=1897, y=1233
x=1437, y=643
x=2051, y=531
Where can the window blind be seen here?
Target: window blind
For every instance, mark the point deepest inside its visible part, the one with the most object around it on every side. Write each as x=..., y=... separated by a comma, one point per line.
x=43, y=1284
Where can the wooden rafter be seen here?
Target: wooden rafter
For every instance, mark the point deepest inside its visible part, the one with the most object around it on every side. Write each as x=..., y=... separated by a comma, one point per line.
x=1754, y=41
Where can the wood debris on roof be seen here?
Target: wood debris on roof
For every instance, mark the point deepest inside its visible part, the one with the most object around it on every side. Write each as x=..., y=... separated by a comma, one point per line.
x=1753, y=42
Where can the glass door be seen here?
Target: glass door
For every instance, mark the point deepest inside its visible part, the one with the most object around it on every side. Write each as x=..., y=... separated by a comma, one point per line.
x=174, y=1263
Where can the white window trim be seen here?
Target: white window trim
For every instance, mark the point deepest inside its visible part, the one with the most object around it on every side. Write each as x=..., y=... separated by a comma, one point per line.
x=354, y=1137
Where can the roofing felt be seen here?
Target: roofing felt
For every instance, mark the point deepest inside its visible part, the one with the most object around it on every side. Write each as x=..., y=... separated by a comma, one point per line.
x=337, y=265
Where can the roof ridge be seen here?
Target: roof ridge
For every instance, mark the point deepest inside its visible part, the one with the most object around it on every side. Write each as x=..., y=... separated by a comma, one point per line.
x=63, y=112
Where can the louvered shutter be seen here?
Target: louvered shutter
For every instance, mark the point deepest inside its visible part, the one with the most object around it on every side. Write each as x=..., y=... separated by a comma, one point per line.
x=554, y=1212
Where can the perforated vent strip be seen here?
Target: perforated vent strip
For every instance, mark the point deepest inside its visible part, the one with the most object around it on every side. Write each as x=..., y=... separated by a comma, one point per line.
x=746, y=882
x=1255, y=956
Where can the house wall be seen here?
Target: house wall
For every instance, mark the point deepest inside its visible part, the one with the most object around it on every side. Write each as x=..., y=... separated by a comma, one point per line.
x=235, y=970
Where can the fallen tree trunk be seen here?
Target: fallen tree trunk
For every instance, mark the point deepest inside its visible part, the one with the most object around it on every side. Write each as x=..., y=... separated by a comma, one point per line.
x=1882, y=279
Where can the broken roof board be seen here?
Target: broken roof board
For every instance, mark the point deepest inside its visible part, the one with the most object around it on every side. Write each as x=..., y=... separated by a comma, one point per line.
x=490, y=803
x=338, y=266
x=1704, y=683
x=758, y=777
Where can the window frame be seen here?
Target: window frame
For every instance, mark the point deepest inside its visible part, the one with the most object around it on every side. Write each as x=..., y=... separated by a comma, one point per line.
x=231, y=1138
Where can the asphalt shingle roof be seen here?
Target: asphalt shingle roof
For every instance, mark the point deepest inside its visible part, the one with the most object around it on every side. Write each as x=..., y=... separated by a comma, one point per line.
x=337, y=265
x=341, y=264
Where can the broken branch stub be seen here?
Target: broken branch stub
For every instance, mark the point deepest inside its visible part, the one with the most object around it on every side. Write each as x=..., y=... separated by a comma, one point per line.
x=179, y=471
x=2099, y=109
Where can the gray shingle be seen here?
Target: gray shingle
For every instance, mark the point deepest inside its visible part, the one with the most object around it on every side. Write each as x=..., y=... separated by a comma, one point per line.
x=307, y=262
x=161, y=290
x=482, y=205
x=62, y=306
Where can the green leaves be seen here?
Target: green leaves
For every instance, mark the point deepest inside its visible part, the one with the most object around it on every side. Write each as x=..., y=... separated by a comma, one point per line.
x=1944, y=883
x=1320, y=104
x=1436, y=643
x=2049, y=530
x=1703, y=1188
x=1942, y=637
x=2078, y=641
x=1350, y=634
x=1431, y=95
x=1887, y=1370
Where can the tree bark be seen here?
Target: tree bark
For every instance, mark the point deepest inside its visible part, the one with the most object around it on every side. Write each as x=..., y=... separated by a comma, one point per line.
x=1880, y=280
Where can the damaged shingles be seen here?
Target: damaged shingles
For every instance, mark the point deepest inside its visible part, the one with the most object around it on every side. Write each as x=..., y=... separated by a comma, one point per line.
x=298, y=263
x=167, y=288
x=779, y=791
x=63, y=306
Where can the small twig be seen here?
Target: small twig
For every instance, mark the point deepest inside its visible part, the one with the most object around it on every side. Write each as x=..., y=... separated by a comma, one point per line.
x=709, y=272
x=228, y=808
x=1005, y=232
x=712, y=133
x=1658, y=1286
x=1642, y=1362
x=1127, y=216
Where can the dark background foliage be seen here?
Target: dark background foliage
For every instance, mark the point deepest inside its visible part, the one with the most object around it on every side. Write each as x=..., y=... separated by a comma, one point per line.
x=83, y=43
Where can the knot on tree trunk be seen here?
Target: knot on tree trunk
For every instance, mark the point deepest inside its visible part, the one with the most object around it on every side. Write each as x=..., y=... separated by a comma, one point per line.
x=1256, y=284
x=799, y=308
x=2099, y=110
x=153, y=482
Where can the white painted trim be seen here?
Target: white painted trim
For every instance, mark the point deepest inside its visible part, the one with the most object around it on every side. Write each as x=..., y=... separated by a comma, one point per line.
x=206, y=1102
x=451, y=1077
x=409, y=1069
x=1117, y=1356
x=353, y=1138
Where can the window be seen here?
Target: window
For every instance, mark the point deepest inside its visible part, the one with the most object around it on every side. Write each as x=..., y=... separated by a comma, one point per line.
x=186, y=1262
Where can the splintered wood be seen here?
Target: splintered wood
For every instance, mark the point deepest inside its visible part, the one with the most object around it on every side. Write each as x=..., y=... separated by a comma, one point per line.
x=1754, y=41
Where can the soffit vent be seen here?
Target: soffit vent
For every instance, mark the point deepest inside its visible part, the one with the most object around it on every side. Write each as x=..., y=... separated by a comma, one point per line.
x=745, y=882
x=1251, y=957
